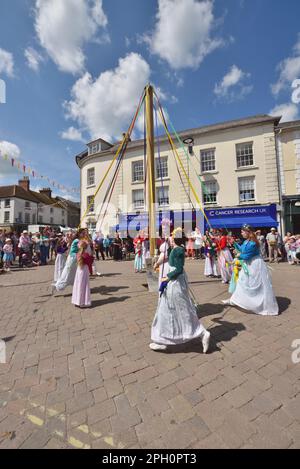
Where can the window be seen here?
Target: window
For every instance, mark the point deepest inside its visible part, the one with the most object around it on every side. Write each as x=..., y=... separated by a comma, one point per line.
x=33, y=218
x=138, y=171
x=208, y=161
x=20, y=217
x=27, y=217
x=7, y=203
x=27, y=204
x=91, y=225
x=94, y=148
x=210, y=192
x=244, y=154
x=163, y=196
x=91, y=176
x=161, y=167
x=138, y=198
x=246, y=189
x=63, y=213
x=6, y=217
x=51, y=220
x=51, y=210
x=90, y=203
x=63, y=221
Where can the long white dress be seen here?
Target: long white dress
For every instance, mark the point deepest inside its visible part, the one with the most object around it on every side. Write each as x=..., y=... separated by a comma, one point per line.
x=60, y=262
x=164, y=267
x=211, y=266
x=254, y=291
x=176, y=320
x=224, y=260
x=67, y=276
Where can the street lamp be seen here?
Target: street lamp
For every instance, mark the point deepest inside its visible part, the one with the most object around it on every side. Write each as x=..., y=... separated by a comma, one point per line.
x=190, y=142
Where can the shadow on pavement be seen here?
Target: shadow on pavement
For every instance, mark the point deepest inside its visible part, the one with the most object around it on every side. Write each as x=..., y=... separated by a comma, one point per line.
x=103, y=290
x=205, y=282
x=224, y=331
x=283, y=303
x=7, y=339
x=106, y=301
x=111, y=275
x=208, y=309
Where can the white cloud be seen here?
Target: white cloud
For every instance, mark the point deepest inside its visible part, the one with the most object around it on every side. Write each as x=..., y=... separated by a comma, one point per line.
x=289, y=70
x=232, y=85
x=34, y=58
x=288, y=111
x=64, y=26
x=183, y=32
x=12, y=151
x=105, y=106
x=72, y=134
x=6, y=63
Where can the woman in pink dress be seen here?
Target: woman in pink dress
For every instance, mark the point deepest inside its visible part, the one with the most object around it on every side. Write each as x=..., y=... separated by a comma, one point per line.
x=81, y=295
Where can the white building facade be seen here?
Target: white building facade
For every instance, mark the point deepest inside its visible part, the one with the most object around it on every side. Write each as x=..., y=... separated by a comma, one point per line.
x=20, y=207
x=232, y=167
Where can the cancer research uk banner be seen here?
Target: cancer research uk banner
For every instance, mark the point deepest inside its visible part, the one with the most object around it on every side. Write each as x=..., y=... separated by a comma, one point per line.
x=245, y=212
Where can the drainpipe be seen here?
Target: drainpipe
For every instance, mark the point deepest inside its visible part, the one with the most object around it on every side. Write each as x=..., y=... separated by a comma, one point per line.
x=278, y=166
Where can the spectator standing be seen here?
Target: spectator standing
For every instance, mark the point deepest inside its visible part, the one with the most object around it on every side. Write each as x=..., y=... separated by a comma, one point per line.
x=262, y=243
x=272, y=240
x=198, y=243
x=24, y=246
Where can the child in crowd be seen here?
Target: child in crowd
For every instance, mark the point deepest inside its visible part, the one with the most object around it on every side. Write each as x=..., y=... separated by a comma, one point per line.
x=8, y=256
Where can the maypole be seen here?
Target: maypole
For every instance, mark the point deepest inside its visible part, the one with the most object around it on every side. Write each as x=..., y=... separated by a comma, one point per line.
x=150, y=168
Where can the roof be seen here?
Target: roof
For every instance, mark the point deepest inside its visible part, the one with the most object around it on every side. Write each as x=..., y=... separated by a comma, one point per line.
x=69, y=203
x=227, y=125
x=100, y=140
x=289, y=125
x=44, y=199
x=17, y=191
x=21, y=193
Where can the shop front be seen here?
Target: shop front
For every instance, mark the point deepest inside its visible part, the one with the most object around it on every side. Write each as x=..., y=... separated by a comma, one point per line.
x=291, y=208
x=166, y=221
x=233, y=218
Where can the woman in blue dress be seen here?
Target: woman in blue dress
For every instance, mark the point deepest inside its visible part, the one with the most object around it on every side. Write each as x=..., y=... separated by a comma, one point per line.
x=253, y=291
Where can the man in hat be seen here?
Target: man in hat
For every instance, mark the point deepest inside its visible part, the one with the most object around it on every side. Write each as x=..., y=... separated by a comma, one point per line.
x=272, y=240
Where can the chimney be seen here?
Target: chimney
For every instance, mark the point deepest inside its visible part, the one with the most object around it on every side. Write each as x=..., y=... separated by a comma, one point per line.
x=25, y=183
x=47, y=192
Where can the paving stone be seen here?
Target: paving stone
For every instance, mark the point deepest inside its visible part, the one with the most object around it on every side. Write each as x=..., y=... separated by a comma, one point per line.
x=92, y=378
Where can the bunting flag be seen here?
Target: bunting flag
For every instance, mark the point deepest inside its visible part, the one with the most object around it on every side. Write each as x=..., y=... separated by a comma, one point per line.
x=26, y=169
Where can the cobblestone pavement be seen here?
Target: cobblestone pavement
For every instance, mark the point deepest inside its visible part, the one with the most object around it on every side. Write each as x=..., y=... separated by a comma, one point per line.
x=87, y=378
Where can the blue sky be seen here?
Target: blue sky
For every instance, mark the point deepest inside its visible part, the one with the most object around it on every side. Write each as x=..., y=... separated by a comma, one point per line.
x=74, y=69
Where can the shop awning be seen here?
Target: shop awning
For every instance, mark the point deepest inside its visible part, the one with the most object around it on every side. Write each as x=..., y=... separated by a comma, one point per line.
x=238, y=222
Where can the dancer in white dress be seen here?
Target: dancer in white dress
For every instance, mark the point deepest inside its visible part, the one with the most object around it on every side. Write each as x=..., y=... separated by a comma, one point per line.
x=60, y=259
x=176, y=320
x=67, y=276
x=224, y=257
x=162, y=262
x=211, y=265
x=254, y=291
